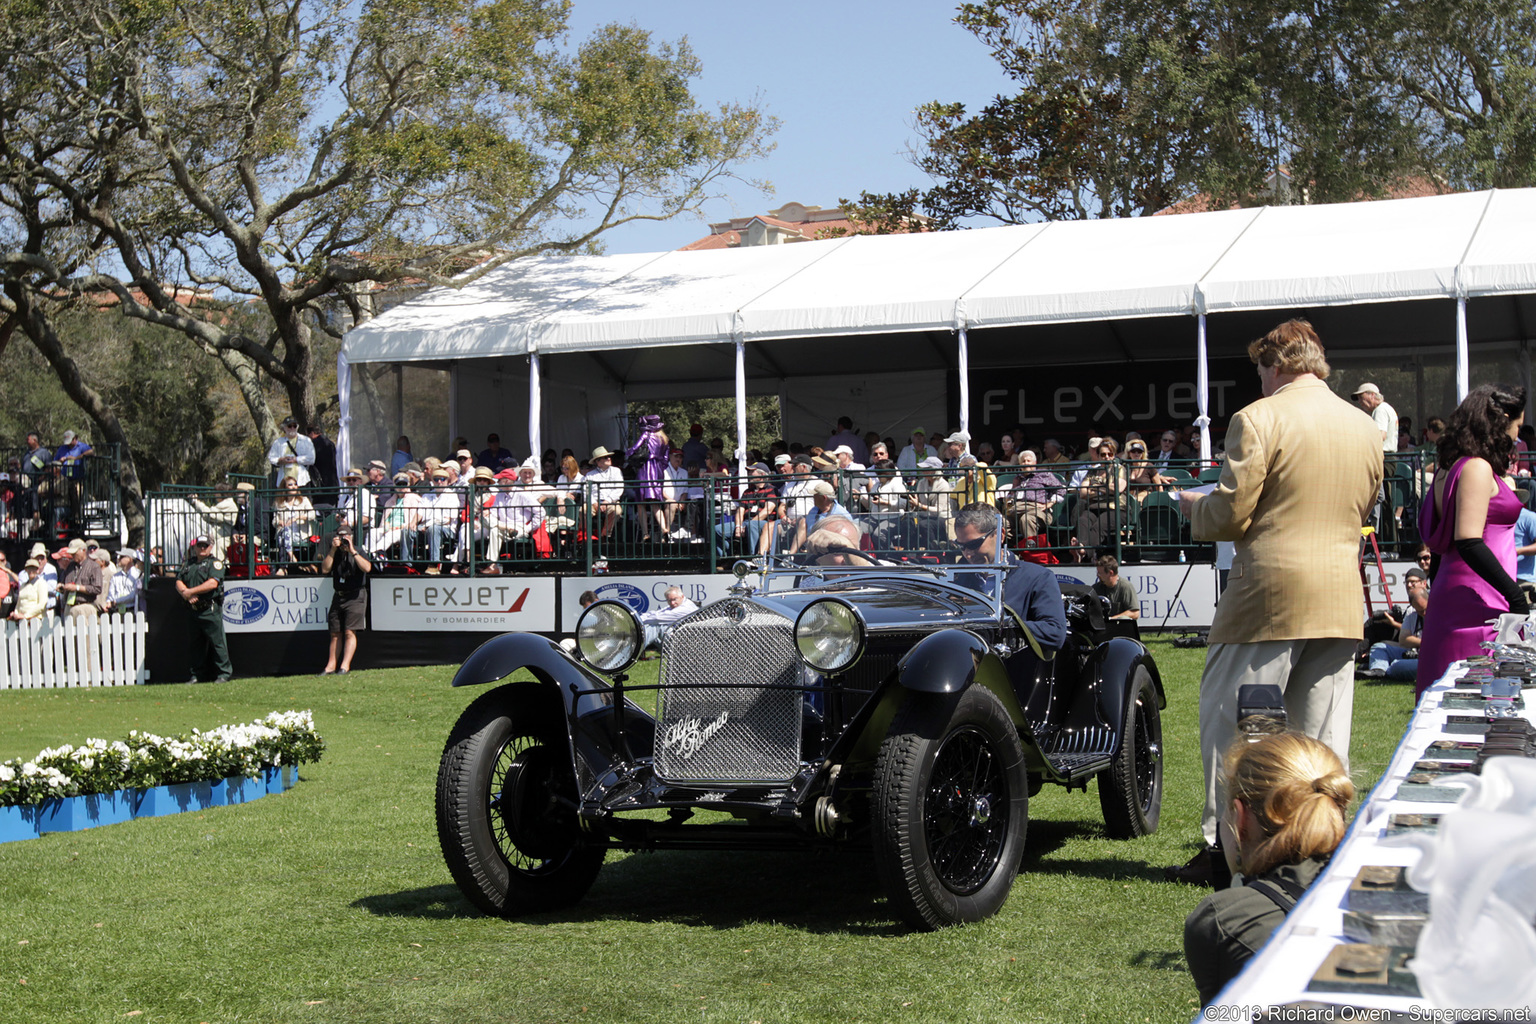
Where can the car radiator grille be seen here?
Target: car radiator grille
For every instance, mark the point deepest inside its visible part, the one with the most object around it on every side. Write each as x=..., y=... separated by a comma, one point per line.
x=741, y=735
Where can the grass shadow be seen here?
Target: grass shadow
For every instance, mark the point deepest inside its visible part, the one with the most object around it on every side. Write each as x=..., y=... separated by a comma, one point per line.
x=817, y=893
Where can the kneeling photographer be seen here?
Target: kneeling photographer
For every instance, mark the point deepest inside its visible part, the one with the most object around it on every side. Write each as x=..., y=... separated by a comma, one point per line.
x=1287, y=797
x=348, y=569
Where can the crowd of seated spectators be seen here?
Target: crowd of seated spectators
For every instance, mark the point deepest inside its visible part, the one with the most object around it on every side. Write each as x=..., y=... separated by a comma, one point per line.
x=499, y=507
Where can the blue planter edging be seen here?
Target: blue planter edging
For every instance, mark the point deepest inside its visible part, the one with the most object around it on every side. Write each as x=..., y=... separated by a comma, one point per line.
x=75, y=813
x=17, y=823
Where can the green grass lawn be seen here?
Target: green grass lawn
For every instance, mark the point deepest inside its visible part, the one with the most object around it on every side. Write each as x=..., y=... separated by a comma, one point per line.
x=331, y=902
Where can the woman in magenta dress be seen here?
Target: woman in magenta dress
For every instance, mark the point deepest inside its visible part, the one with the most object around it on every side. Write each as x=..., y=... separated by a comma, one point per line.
x=648, y=485
x=1468, y=521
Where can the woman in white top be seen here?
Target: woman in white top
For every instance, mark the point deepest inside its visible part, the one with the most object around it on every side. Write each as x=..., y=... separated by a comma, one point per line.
x=674, y=493
x=292, y=514
x=32, y=595
x=402, y=517
x=567, y=487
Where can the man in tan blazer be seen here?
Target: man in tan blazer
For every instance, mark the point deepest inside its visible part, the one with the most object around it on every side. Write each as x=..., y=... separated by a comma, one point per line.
x=1302, y=473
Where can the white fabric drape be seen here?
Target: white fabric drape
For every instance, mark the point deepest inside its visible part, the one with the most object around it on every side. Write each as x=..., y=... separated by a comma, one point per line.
x=741, y=408
x=535, y=402
x=1463, y=357
x=344, y=410
x=965, y=384
x=1203, y=390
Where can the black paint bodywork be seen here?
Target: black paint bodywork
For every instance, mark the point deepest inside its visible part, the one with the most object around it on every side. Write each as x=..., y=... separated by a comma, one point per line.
x=924, y=636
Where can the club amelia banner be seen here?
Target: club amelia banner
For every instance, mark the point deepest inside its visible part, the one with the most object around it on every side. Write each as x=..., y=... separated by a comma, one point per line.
x=642, y=593
x=276, y=605
x=1179, y=596
x=482, y=605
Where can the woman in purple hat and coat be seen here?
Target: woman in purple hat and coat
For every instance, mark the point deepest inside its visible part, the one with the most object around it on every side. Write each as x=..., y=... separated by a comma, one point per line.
x=648, y=486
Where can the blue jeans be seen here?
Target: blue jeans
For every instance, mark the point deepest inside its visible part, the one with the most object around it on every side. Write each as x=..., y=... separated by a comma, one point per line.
x=438, y=534
x=1390, y=658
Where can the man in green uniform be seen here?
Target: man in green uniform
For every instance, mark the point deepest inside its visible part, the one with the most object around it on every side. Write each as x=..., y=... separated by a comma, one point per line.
x=200, y=584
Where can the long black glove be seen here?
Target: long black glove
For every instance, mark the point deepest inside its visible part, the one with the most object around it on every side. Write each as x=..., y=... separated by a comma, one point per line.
x=1476, y=554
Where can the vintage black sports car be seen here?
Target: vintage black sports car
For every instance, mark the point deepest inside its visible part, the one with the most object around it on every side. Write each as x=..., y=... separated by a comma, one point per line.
x=899, y=706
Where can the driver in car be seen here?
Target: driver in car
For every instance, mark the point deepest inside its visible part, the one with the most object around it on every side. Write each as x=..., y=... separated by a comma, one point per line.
x=1029, y=589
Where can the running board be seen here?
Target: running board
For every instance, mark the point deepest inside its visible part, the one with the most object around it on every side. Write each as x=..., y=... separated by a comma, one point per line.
x=1073, y=768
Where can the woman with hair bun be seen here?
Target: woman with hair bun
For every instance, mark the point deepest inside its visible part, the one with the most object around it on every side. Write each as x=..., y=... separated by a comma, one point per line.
x=1288, y=794
x=1468, y=520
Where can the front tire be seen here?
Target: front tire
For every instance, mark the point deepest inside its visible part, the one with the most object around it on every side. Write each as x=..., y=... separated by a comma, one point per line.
x=951, y=808
x=1131, y=792
x=505, y=806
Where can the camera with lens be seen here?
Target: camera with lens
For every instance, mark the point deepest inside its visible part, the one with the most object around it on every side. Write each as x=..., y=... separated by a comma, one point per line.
x=1260, y=711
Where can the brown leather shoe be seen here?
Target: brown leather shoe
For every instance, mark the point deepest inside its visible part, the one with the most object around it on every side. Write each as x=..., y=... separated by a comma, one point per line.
x=1196, y=871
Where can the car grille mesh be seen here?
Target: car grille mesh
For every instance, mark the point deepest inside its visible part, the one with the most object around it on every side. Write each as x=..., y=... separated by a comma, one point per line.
x=744, y=734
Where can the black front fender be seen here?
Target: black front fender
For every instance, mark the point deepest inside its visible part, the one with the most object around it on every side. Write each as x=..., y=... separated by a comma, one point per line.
x=600, y=736
x=942, y=662
x=1107, y=685
x=946, y=662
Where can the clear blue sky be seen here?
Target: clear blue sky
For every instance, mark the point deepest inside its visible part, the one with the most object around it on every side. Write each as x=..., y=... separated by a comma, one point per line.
x=842, y=77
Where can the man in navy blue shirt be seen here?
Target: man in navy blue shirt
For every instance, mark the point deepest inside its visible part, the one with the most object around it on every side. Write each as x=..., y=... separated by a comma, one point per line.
x=1029, y=589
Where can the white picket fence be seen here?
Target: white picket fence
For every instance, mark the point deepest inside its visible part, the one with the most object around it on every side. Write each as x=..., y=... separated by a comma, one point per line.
x=49, y=652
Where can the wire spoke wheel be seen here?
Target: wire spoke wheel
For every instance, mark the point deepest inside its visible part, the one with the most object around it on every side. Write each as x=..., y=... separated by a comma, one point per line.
x=966, y=815
x=951, y=808
x=1131, y=791
x=506, y=796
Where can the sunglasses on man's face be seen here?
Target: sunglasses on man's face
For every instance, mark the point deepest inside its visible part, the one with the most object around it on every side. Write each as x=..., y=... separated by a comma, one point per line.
x=969, y=546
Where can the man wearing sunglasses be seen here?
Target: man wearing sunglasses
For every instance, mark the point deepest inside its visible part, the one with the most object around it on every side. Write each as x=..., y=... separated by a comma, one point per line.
x=1030, y=590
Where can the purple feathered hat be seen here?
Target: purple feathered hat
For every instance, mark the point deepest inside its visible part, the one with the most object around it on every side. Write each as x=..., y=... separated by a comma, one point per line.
x=650, y=421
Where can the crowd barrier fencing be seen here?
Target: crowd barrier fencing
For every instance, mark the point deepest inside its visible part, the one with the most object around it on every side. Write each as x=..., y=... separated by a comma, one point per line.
x=50, y=651
x=1118, y=507
x=57, y=502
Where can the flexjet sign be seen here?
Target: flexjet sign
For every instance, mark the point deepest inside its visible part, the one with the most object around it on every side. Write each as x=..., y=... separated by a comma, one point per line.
x=1115, y=397
x=469, y=605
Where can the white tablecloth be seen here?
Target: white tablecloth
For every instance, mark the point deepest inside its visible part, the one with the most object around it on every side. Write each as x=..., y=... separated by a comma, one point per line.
x=1281, y=970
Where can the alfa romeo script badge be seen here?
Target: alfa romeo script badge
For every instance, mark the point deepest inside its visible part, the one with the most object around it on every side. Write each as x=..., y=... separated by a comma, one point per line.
x=690, y=734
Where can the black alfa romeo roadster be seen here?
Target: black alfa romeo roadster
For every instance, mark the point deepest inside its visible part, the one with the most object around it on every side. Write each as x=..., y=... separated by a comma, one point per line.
x=897, y=705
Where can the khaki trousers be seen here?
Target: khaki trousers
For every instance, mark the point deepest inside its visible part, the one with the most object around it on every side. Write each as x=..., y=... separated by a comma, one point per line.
x=1317, y=678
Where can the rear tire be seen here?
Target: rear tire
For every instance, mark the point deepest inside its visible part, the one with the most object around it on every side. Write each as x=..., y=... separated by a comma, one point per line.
x=1131, y=791
x=505, y=799
x=951, y=808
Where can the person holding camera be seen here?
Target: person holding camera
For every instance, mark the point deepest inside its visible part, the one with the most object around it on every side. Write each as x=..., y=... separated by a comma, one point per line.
x=1288, y=794
x=348, y=569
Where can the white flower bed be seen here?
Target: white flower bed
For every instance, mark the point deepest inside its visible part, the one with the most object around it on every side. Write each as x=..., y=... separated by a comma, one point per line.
x=146, y=760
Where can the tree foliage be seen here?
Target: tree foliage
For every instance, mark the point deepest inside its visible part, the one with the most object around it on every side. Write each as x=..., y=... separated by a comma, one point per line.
x=236, y=170
x=1125, y=107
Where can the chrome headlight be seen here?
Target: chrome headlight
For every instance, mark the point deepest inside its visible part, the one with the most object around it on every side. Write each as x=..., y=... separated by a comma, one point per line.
x=608, y=636
x=830, y=635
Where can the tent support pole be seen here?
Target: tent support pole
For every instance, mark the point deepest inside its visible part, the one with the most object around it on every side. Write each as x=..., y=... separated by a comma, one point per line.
x=344, y=411
x=1463, y=358
x=1203, y=391
x=741, y=410
x=453, y=399
x=535, y=410
x=965, y=385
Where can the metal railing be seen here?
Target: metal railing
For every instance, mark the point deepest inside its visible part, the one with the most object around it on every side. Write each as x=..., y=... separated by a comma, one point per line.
x=60, y=499
x=1067, y=512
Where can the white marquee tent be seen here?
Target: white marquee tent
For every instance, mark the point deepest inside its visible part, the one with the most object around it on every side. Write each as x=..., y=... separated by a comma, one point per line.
x=657, y=324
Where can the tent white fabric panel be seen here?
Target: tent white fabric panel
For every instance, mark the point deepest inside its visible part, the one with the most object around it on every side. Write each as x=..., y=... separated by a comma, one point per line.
x=1502, y=258
x=487, y=317
x=1348, y=253
x=891, y=404
x=681, y=298
x=884, y=284
x=1105, y=269
x=1274, y=258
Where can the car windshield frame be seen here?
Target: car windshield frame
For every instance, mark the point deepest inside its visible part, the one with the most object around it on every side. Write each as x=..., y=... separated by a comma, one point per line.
x=795, y=571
